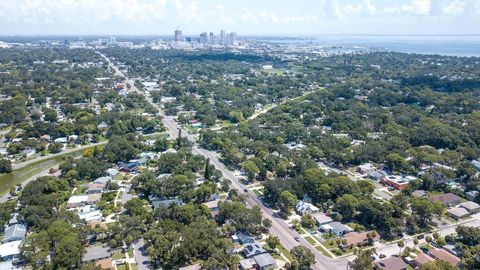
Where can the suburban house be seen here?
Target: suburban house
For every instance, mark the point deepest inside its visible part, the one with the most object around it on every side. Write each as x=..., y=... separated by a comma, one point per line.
x=157, y=202
x=458, y=212
x=112, y=172
x=306, y=208
x=102, y=180
x=471, y=207
x=366, y=168
x=336, y=228
x=471, y=195
x=95, y=253
x=265, y=261
x=253, y=249
x=248, y=264
x=128, y=167
x=10, y=250
x=391, y=263
x=106, y=264
x=14, y=233
x=448, y=199
x=360, y=238
x=421, y=259
x=243, y=238
x=95, y=188
x=321, y=219
x=213, y=207
x=444, y=255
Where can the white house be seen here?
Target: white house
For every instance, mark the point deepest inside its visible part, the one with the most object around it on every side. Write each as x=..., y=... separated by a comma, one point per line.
x=336, y=227
x=306, y=208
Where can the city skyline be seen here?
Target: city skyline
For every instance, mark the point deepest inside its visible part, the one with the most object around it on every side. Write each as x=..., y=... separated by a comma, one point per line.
x=159, y=17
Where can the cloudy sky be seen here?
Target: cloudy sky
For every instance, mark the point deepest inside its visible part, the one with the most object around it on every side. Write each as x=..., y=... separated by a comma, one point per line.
x=312, y=17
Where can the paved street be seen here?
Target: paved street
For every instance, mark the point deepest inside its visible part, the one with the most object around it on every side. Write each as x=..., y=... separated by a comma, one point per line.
x=140, y=255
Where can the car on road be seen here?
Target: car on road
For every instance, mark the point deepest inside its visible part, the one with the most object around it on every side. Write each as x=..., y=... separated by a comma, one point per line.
x=420, y=237
x=297, y=238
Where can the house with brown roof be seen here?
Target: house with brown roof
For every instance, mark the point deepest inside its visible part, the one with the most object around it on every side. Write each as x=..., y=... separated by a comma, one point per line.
x=421, y=259
x=448, y=199
x=353, y=239
x=391, y=263
x=105, y=264
x=444, y=255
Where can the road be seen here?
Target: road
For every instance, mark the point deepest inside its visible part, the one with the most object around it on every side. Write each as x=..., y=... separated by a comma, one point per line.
x=68, y=151
x=279, y=227
x=140, y=255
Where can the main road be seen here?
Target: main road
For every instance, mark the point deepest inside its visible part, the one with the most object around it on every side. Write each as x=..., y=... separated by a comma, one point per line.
x=279, y=227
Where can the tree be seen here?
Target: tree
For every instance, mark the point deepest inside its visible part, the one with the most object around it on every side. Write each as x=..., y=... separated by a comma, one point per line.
x=251, y=169
x=55, y=148
x=438, y=265
x=286, y=202
x=273, y=241
x=34, y=250
x=363, y=260
x=207, y=172
x=5, y=166
x=308, y=221
x=423, y=210
x=303, y=258
x=401, y=244
x=347, y=205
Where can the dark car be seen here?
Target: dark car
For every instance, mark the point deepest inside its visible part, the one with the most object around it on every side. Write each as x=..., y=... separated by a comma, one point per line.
x=297, y=238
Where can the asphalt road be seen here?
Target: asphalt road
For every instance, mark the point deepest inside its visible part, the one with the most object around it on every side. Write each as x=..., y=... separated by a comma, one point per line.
x=279, y=227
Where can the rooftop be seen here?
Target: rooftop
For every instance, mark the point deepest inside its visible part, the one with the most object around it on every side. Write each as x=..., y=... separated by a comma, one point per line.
x=446, y=256
x=470, y=206
x=14, y=232
x=422, y=259
x=264, y=260
x=392, y=263
x=447, y=198
x=94, y=253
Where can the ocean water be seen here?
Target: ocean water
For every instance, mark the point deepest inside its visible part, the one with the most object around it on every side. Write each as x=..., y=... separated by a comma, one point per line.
x=443, y=45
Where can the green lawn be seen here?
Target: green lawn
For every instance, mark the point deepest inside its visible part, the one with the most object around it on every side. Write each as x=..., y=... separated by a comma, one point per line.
x=130, y=253
x=323, y=251
x=118, y=255
x=310, y=240
x=257, y=192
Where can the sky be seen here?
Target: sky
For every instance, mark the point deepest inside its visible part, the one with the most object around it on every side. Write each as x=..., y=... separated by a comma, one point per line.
x=245, y=17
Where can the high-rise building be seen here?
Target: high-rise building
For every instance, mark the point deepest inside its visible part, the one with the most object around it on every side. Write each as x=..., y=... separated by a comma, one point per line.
x=212, y=38
x=178, y=35
x=223, y=40
x=232, y=39
x=204, y=38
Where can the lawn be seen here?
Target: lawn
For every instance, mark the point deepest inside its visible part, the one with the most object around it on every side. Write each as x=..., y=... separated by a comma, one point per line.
x=310, y=240
x=323, y=251
x=130, y=253
x=118, y=255
x=257, y=192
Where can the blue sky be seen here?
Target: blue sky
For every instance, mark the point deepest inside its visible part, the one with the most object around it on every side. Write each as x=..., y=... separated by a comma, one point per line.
x=308, y=17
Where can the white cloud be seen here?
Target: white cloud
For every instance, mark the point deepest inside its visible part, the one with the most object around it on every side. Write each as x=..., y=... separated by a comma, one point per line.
x=455, y=8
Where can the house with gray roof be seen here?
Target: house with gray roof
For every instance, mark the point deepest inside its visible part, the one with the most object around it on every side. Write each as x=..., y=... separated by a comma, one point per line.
x=14, y=233
x=95, y=253
x=336, y=227
x=265, y=261
x=253, y=249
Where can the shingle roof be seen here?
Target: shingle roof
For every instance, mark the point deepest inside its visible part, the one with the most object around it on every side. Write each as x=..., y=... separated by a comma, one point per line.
x=445, y=256
x=94, y=253
x=446, y=198
x=264, y=260
x=14, y=232
x=392, y=263
x=422, y=259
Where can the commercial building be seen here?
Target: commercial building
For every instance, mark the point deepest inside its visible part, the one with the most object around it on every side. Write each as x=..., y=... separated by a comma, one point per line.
x=178, y=35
